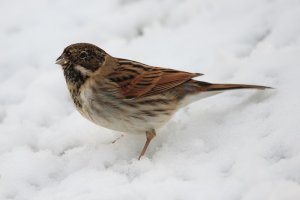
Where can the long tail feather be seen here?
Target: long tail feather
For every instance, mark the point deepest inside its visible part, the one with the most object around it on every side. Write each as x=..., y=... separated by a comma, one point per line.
x=205, y=86
x=200, y=90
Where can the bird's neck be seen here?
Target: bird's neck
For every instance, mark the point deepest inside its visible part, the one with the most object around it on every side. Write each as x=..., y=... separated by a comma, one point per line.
x=75, y=79
x=74, y=76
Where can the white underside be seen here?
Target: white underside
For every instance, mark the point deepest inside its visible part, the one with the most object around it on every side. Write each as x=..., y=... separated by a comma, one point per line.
x=123, y=121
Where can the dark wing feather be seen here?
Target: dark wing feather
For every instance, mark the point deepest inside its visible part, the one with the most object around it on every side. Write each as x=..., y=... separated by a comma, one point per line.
x=137, y=79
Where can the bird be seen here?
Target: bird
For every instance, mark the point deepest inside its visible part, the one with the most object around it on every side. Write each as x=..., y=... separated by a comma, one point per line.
x=129, y=96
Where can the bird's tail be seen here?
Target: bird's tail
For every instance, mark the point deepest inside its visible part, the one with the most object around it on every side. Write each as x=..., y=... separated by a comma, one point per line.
x=200, y=90
x=206, y=87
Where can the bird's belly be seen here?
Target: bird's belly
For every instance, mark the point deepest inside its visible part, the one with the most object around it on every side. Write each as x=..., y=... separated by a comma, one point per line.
x=125, y=117
x=127, y=121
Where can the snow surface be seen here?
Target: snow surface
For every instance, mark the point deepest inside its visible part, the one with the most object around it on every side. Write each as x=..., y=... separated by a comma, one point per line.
x=240, y=145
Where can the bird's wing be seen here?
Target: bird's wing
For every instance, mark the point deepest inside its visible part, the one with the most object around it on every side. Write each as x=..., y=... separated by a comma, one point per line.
x=137, y=80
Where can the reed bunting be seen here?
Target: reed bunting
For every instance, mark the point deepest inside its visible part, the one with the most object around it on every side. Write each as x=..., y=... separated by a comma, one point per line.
x=130, y=96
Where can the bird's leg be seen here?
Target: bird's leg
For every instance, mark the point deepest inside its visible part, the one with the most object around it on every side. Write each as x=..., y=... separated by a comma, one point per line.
x=149, y=135
x=117, y=139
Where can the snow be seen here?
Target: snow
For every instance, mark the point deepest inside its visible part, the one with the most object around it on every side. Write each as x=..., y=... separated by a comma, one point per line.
x=236, y=145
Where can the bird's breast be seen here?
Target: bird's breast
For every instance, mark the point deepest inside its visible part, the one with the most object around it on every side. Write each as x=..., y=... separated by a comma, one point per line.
x=131, y=116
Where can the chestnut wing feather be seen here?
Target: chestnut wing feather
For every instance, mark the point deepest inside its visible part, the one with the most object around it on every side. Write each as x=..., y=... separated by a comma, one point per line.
x=139, y=80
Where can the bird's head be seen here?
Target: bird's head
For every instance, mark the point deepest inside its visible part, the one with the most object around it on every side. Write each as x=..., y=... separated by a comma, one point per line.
x=82, y=56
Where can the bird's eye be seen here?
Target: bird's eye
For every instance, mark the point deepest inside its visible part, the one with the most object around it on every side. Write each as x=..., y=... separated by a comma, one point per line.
x=83, y=55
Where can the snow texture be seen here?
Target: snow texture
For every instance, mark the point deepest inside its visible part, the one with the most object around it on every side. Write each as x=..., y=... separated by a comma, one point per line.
x=239, y=145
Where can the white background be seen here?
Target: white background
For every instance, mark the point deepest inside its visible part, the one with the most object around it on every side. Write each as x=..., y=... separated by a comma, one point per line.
x=239, y=145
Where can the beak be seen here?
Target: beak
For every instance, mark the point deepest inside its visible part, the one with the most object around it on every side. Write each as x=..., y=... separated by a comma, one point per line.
x=61, y=60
